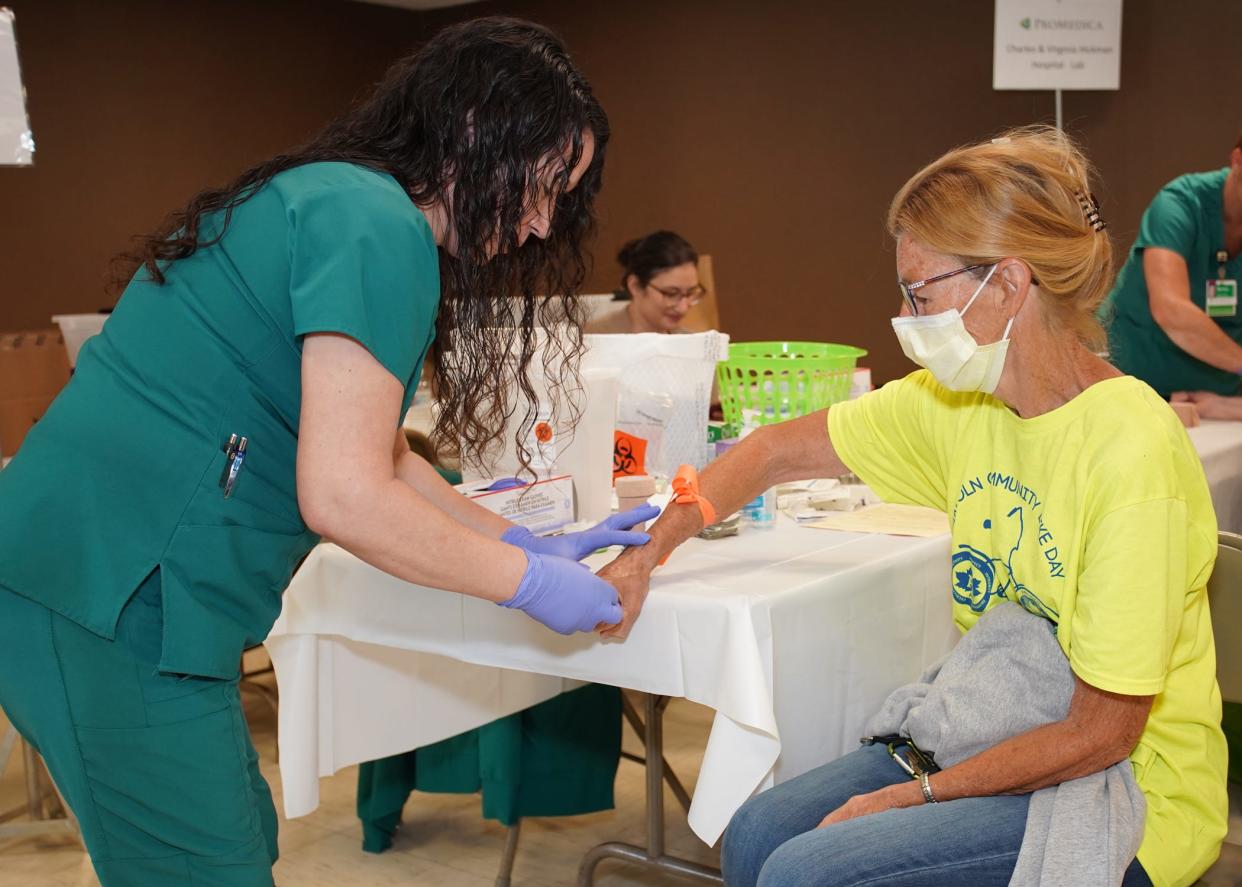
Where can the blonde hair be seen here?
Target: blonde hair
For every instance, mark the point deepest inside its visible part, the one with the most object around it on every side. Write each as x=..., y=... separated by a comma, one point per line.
x=1024, y=194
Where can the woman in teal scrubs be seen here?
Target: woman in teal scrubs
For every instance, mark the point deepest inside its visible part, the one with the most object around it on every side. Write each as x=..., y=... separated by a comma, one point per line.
x=142, y=547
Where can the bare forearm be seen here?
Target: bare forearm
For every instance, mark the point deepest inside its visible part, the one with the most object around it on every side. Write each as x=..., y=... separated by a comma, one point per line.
x=1045, y=756
x=1199, y=336
x=415, y=471
x=1229, y=408
x=349, y=490
x=795, y=450
x=1100, y=729
x=1212, y=406
x=728, y=483
x=393, y=527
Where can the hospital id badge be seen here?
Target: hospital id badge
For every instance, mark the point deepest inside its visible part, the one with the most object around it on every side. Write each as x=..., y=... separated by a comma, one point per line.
x=1222, y=298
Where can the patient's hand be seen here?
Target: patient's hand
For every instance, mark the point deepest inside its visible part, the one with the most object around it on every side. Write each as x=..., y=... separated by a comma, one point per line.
x=631, y=577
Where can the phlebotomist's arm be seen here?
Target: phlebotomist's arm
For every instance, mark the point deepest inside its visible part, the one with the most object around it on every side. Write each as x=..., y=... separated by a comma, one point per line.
x=418, y=473
x=1168, y=294
x=349, y=490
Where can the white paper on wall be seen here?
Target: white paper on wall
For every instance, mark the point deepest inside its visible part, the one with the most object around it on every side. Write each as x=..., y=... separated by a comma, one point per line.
x=16, y=140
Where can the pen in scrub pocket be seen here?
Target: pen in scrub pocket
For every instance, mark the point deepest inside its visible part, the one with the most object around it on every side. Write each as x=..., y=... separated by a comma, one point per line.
x=230, y=449
x=238, y=458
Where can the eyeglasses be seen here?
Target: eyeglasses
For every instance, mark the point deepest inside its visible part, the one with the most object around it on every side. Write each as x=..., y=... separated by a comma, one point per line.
x=908, y=289
x=672, y=296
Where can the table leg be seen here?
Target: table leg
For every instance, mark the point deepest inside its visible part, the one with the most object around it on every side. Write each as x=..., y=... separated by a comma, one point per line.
x=631, y=715
x=506, y=861
x=651, y=857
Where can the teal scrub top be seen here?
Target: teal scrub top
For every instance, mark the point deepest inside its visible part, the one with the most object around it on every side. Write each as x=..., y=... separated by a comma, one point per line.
x=1187, y=217
x=121, y=474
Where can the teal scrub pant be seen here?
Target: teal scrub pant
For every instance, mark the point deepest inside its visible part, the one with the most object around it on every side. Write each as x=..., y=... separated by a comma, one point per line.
x=158, y=768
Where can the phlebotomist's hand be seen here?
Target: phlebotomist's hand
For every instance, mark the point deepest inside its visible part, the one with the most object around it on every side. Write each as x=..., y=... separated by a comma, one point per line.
x=1211, y=405
x=564, y=595
x=614, y=530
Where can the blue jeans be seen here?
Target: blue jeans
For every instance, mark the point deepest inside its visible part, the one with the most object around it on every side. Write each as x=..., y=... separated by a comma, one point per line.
x=773, y=841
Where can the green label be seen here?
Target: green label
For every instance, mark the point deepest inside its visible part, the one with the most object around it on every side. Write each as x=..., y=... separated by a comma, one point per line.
x=1222, y=298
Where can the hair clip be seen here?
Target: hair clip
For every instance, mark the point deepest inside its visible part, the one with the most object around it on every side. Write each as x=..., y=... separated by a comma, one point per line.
x=1091, y=210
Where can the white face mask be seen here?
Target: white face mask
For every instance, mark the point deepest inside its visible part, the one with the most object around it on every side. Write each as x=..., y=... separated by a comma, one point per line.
x=942, y=344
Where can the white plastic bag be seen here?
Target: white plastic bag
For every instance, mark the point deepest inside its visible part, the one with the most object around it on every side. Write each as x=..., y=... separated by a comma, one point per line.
x=682, y=367
x=642, y=419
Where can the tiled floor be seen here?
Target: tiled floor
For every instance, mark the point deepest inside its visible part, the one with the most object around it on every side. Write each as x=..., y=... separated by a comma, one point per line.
x=445, y=842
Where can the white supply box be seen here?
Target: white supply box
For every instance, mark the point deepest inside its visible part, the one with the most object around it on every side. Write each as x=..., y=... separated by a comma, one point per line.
x=544, y=506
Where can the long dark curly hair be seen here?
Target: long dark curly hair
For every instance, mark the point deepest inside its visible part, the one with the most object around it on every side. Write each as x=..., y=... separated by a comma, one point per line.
x=468, y=121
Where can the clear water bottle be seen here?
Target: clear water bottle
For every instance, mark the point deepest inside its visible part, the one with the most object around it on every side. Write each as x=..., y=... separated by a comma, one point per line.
x=760, y=512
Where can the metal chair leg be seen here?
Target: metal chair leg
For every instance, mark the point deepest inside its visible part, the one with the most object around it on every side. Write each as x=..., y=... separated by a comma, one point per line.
x=510, y=854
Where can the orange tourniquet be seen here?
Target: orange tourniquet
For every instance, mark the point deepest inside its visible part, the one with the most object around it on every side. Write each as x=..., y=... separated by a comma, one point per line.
x=686, y=492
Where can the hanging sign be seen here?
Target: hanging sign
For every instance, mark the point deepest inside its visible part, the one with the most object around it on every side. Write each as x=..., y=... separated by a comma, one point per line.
x=1057, y=44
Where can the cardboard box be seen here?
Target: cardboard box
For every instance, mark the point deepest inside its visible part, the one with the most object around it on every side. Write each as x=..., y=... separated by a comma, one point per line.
x=541, y=507
x=1187, y=412
x=34, y=366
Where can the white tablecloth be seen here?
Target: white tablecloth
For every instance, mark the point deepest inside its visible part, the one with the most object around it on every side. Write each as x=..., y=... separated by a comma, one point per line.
x=1219, y=445
x=794, y=636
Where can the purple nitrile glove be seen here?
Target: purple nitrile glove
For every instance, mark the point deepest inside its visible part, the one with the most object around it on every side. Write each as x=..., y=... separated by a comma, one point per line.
x=506, y=483
x=614, y=530
x=564, y=595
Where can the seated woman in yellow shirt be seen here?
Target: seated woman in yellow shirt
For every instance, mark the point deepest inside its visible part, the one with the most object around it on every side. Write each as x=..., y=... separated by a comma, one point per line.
x=659, y=286
x=1072, y=490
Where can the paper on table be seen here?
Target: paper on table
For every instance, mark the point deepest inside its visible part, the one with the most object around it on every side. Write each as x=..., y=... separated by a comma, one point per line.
x=896, y=520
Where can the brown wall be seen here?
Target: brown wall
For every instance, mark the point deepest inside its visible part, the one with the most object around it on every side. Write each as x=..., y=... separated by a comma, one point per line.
x=772, y=134
x=138, y=104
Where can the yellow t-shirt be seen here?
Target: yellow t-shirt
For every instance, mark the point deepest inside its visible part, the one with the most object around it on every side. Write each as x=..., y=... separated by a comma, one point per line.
x=1097, y=516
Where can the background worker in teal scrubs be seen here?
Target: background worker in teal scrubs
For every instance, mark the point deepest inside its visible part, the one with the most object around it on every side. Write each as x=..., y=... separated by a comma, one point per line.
x=142, y=547
x=1175, y=322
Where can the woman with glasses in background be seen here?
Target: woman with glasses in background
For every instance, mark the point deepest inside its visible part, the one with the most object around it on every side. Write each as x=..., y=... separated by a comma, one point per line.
x=659, y=286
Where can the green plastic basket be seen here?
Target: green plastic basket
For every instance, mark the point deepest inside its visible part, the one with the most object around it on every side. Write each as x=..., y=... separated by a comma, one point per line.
x=784, y=380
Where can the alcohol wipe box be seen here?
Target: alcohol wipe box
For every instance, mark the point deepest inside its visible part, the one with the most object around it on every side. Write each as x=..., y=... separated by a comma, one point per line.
x=544, y=506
